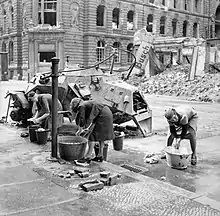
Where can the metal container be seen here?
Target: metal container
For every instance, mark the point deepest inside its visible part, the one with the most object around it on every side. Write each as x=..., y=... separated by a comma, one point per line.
x=72, y=147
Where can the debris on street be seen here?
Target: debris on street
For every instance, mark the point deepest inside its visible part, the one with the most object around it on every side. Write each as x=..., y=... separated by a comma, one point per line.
x=174, y=82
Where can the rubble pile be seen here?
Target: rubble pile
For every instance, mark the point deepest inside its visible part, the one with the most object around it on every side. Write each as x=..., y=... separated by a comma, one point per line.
x=174, y=81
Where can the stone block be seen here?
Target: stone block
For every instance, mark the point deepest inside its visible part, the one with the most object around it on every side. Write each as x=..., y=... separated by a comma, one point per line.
x=93, y=186
x=105, y=181
x=83, y=174
x=105, y=174
x=113, y=179
x=80, y=169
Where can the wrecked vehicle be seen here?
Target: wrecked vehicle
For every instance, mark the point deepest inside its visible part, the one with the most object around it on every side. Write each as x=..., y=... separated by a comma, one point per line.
x=125, y=100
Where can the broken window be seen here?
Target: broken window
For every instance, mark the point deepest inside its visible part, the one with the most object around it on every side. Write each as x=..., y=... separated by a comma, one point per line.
x=115, y=18
x=130, y=51
x=163, y=2
x=46, y=56
x=185, y=25
x=130, y=20
x=100, y=51
x=11, y=52
x=47, y=12
x=174, y=26
x=100, y=12
x=162, y=25
x=117, y=45
x=150, y=23
x=195, y=30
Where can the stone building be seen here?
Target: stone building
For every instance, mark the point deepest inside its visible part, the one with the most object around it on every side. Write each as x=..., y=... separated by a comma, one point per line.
x=34, y=31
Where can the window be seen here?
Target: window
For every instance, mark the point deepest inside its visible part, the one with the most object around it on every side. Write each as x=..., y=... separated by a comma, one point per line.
x=130, y=49
x=195, y=30
x=185, y=5
x=162, y=25
x=3, y=46
x=150, y=23
x=46, y=56
x=185, y=25
x=47, y=12
x=100, y=51
x=163, y=2
x=4, y=20
x=151, y=1
x=11, y=52
x=116, y=45
x=115, y=18
x=174, y=26
x=175, y=3
x=12, y=16
x=100, y=15
x=130, y=20
x=197, y=6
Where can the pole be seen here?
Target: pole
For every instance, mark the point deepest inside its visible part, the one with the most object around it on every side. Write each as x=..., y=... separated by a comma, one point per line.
x=55, y=62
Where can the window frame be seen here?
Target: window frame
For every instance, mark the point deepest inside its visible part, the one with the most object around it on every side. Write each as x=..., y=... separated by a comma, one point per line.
x=132, y=22
x=116, y=17
x=100, y=50
x=118, y=52
x=162, y=25
x=100, y=22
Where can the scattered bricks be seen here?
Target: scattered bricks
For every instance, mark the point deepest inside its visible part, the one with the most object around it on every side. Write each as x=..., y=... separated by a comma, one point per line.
x=61, y=175
x=71, y=172
x=83, y=174
x=67, y=175
x=105, y=174
x=93, y=187
x=113, y=179
x=119, y=175
x=105, y=181
x=80, y=169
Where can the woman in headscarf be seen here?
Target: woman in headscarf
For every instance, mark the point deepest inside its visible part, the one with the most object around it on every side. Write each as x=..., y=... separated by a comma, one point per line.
x=182, y=122
x=96, y=120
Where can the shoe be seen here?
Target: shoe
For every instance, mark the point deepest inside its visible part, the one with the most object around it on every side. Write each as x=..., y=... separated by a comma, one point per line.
x=98, y=159
x=84, y=160
x=193, y=160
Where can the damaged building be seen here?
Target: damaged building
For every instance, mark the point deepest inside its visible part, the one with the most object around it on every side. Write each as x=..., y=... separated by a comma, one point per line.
x=34, y=31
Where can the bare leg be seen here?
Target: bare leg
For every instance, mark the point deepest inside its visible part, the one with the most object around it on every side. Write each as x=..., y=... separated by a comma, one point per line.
x=91, y=145
x=191, y=136
x=101, y=147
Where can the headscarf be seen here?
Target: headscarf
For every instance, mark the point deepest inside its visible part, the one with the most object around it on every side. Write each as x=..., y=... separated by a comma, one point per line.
x=74, y=104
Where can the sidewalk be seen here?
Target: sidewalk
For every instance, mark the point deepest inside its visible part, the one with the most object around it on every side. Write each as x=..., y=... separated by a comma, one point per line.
x=29, y=186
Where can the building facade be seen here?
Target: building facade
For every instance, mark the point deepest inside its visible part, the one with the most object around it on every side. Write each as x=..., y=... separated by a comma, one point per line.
x=34, y=31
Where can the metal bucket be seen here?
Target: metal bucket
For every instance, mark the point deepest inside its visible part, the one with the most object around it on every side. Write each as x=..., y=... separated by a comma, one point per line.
x=118, y=142
x=177, y=158
x=72, y=147
x=32, y=132
x=42, y=136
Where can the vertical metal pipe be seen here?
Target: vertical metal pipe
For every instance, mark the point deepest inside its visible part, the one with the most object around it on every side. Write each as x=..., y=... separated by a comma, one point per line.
x=55, y=62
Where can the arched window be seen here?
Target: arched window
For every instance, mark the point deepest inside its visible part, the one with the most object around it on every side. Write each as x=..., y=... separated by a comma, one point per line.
x=100, y=12
x=100, y=51
x=12, y=16
x=130, y=49
x=195, y=30
x=3, y=46
x=130, y=20
x=47, y=12
x=117, y=45
x=115, y=18
x=185, y=26
x=162, y=25
x=174, y=27
x=150, y=19
x=11, y=52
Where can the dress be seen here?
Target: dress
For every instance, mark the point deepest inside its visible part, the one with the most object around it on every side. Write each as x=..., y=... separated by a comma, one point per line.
x=187, y=118
x=100, y=115
x=44, y=105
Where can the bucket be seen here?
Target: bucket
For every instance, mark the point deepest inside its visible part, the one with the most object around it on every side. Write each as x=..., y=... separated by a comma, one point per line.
x=177, y=158
x=42, y=136
x=32, y=132
x=72, y=147
x=105, y=151
x=118, y=141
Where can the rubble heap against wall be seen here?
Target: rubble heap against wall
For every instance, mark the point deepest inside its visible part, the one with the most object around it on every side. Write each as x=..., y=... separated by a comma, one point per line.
x=174, y=81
